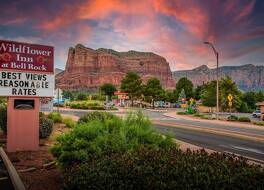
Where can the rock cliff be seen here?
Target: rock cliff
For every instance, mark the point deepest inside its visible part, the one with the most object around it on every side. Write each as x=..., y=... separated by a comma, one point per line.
x=87, y=69
x=247, y=77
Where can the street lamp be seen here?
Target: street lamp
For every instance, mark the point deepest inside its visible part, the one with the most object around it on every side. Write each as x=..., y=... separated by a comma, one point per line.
x=217, y=73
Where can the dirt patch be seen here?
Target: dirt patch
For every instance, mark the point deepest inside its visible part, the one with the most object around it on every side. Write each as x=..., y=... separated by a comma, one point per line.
x=38, y=169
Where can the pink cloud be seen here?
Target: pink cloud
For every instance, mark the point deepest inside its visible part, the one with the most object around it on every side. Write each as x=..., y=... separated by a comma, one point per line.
x=188, y=13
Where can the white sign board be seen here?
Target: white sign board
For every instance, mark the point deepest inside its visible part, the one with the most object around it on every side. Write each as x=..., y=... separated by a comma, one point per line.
x=26, y=84
x=46, y=105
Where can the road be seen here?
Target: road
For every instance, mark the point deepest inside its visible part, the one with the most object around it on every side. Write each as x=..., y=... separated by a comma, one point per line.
x=243, y=141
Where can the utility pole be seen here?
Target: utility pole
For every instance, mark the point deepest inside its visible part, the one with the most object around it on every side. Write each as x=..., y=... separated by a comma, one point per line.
x=217, y=77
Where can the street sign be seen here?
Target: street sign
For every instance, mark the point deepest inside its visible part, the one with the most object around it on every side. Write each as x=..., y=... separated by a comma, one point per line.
x=230, y=98
x=26, y=84
x=26, y=57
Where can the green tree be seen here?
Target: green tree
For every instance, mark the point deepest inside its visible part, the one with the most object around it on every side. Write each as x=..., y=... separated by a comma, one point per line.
x=67, y=94
x=260, y=96
x=227, y=86
x=187, y=85
x=108, y=89
x=170, y=96
x=198, y=92
x=250, y=99
x=182, y=96
x=154, y=91
x=81, y=96
x=208, y=94
x=132, y=84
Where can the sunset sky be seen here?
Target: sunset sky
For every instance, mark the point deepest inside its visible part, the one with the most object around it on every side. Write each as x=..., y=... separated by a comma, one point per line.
x=174, y=29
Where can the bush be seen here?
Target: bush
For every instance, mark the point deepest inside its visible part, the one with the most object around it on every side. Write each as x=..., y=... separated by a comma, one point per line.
x=69, y=122
x=103, y=136
x=206, y=117
x=3, y=117
x=81, y=96
x=149, y=168
x=91, y=104
x=55, y=117
x=260, y=123
x=244, y=119
x=243, y=108
x=45, y=127
x=95, y=115
x=232, y=118
x=182, y=113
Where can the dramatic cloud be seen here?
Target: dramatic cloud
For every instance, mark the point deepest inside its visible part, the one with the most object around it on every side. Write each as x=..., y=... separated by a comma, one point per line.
x=174, y=29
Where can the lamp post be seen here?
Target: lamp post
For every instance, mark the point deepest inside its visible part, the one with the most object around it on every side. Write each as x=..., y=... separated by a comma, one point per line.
x=217, y=80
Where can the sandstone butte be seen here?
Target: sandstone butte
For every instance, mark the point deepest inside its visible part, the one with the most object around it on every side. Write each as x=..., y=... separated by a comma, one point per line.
x=87, y=69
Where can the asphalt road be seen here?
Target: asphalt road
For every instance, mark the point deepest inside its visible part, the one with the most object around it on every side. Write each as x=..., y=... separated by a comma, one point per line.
x=219, y=142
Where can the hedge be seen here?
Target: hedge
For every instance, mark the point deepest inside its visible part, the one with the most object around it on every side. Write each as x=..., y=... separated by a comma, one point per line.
x=244, y=119
x=149, y=168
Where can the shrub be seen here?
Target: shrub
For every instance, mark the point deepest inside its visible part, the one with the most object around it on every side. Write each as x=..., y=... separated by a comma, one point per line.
x=260, y=123
x=244, y=119
x=3, y=117
x=45, y=127
x=55, y=117
x=206, y=117
x=149, y=168
x=95, y=115
x=243, y=108
x=69, y=122
x=103, y=136
x=232, y=118
x=197, y=114
x=89, y=104
x=81, y=96
x=182, y=113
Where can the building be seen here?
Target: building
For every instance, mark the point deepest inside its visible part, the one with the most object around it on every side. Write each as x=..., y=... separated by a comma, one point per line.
x=261, y=105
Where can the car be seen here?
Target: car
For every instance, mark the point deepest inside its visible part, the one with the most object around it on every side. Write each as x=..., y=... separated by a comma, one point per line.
x=256, y=113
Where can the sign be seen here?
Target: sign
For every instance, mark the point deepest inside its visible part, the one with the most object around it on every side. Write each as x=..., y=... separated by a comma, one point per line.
x=230, y=98
x=26, y=57
x=26, y=84
x=46, y=105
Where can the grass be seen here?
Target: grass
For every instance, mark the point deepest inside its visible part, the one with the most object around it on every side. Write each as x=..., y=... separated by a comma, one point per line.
x=68, y=121
x=55, y=117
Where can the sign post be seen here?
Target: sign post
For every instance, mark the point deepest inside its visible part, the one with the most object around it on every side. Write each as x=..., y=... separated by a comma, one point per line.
x=26, y=74
x=230, y=99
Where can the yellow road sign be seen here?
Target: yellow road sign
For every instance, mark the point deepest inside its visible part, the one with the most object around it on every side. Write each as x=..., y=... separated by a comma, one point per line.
x=230, y=98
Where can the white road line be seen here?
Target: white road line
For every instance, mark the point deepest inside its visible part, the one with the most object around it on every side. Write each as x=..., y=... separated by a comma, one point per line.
x=243, y=148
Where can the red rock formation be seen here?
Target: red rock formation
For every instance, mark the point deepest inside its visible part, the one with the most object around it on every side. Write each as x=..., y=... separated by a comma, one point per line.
x=87, y=69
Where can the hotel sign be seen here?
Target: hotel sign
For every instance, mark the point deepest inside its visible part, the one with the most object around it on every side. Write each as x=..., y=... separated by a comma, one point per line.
x=26, y=84
x=26, y=57
x=26, y=69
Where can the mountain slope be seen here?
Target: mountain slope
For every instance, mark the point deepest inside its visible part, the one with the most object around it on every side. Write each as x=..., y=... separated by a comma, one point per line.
x=247, y=77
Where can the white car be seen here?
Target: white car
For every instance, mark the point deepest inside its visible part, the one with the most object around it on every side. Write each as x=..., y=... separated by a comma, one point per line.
x=256, y=113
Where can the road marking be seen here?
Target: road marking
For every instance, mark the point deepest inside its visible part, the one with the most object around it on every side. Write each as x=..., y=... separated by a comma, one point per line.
x=241, y=135
x=243, y=148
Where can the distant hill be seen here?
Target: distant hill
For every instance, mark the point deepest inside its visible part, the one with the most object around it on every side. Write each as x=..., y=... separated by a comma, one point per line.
x=247, y=77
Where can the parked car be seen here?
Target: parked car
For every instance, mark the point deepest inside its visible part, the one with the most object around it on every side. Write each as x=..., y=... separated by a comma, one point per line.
x=256, y=113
